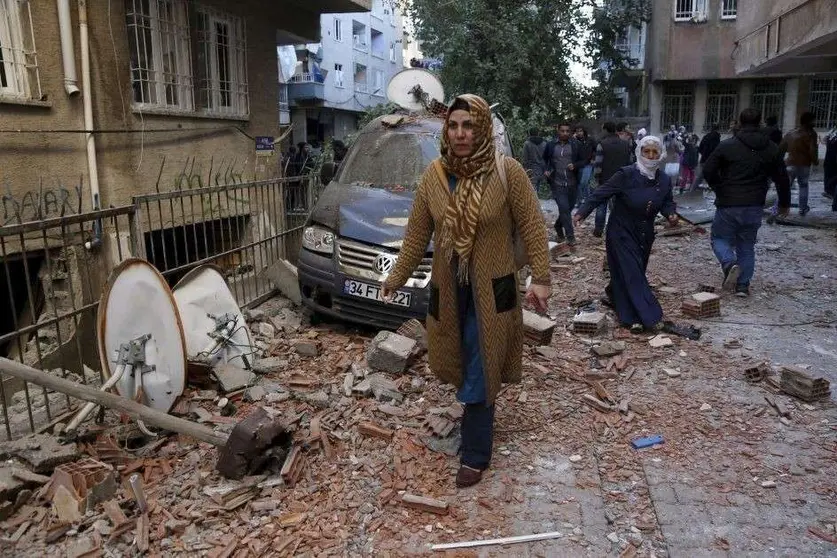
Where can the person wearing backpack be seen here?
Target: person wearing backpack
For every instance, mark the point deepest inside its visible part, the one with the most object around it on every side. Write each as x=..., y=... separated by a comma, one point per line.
x=738, y=172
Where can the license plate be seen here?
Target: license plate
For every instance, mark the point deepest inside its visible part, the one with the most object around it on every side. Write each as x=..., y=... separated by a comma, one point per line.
x=373, y=292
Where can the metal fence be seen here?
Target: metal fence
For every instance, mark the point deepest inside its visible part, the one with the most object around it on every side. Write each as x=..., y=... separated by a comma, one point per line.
x=242, y=228
x=53, y=271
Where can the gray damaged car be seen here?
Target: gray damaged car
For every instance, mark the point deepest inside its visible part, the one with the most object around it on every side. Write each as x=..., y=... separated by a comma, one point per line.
x=352, y=238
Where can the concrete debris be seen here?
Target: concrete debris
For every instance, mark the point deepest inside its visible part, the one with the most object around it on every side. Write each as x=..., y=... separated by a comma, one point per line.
x=537, y=330
x=90, y=482
x=232, y=378
x=307, y=349
x=284, y=275
x=660, y=341
x=255, y=393
x=384, y=389
x=589, y=323
x=671, y=372
x=270, y=365
x=41, y=452
x=706, y=407
x=266, y=330
x=390, y=352
x=575, y=458
x=610, y=348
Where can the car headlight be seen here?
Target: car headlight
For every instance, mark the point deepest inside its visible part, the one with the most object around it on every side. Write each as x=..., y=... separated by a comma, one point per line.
x=318, y=239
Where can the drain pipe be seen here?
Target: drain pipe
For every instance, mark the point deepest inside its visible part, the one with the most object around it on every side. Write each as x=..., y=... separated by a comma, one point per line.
x=87, y=96
x=68, y=56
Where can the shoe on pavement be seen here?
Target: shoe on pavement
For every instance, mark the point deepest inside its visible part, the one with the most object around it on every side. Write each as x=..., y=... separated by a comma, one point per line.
x=637, y=328
x=731, y=274
x=742, y=291
x=467, y=476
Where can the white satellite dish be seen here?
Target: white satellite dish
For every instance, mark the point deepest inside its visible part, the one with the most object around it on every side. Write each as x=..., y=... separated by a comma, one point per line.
x=213, y=325
x=414, y=89
x=141, y=336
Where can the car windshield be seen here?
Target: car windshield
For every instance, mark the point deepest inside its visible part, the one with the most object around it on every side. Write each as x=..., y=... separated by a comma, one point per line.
x=393, y=160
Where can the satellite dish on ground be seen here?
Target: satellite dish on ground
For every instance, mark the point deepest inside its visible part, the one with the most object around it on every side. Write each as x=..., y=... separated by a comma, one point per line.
x=141, y=336
x=414, y=89
x=213, y=325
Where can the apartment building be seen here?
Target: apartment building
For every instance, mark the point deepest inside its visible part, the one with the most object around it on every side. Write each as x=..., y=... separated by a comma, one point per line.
x=345, y=73
x=700, y=73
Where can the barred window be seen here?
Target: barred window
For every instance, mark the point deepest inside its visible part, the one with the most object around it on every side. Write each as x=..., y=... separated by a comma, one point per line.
x=721, y=104
x=769, y=99
x=729, y=9
x=19, y=75
x=221, y=63
x=158, y=39
x=678, y=105
x=823, y=102
x=684, y=10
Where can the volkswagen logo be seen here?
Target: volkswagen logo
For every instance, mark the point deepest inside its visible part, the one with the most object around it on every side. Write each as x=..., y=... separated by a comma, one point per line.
x=384, y=263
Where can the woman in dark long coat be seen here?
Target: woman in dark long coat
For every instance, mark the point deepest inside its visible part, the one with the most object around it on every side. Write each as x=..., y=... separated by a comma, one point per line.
x=639, y=191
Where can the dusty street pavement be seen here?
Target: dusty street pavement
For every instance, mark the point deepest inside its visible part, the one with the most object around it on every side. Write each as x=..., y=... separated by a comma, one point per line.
x=730, y=479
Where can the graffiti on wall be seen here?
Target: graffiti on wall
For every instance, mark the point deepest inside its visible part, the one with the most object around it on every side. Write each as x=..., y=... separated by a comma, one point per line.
x=44, y=202
x=195, y=175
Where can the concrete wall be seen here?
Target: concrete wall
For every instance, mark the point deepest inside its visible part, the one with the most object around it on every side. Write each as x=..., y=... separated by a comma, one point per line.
x=40, y=170
x=690, y=51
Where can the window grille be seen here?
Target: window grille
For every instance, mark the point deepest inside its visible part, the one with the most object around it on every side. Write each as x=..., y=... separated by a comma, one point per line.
x=678, y=105
x=721, y=104
x=769, y=99
x=158, y=41
x=823, y=102
x=729, y=9
x=19, y=75
x=684, y=10
x=221, y=63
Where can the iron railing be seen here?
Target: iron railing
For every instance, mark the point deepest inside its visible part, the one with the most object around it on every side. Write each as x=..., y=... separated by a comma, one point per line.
x=53, y=272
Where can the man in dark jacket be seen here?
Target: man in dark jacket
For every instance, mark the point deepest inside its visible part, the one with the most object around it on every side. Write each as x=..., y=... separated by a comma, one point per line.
x=562, y=160
x=738, y=171
x=802, y=148
x=707, y=145
x=774, y=133
x=612, y=154
x=533, y=152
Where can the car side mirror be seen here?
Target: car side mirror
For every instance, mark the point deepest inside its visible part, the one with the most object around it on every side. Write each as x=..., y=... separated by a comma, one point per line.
x=327, y=172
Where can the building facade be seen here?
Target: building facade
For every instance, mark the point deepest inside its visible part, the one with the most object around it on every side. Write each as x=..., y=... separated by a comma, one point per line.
x=345, y=73
x=693, y=57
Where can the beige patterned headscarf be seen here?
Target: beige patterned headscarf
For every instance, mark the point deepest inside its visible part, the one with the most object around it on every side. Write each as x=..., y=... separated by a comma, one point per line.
x=460, y=224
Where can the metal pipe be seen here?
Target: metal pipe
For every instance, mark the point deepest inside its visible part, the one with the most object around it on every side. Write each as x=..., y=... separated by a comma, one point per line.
x=68, y=55
x=87, y=95
x=88, y=408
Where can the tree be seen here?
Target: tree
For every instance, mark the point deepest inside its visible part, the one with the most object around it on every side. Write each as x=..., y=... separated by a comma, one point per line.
x=608, y=26
x=512, y=52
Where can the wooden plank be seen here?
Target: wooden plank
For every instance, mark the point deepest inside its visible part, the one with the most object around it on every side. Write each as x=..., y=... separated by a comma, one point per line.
x=142, y=533
x=132, y=409
x=425, y=504
x=502, y=541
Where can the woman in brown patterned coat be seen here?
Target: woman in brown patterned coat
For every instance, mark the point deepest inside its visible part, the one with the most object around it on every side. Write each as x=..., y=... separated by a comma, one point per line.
x=474, y=321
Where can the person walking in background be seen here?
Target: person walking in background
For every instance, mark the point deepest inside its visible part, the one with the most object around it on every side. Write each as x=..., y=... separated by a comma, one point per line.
x=474, y=320
x=774, y=133
x=688, y=162
x=829, y=164
x=612, y=154
x=533, y=161
x=562, y=160
x=639, y=192
x=586, y=151
x=707, y=145
x=802, y=148
x=738, y=172
x=641, y=134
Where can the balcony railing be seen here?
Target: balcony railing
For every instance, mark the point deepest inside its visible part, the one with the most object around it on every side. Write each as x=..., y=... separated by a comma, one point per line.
x=360, y=43
x=361, y=87
x=307, y=77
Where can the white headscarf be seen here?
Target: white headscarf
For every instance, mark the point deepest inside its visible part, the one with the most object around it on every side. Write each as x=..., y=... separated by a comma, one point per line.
x=648, y=167
x=641, y=134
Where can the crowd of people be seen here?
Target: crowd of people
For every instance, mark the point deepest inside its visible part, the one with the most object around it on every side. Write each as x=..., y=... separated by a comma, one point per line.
x=477, y=206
